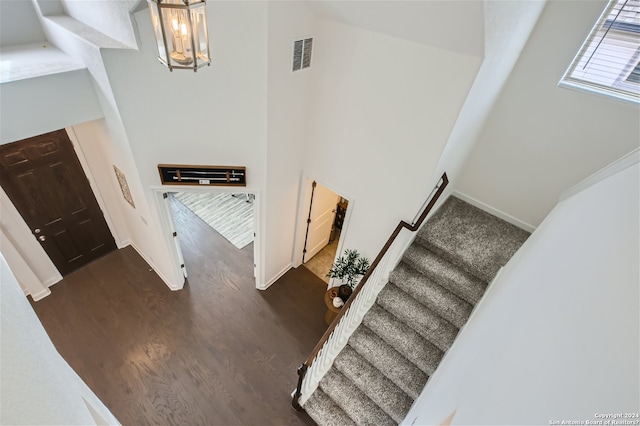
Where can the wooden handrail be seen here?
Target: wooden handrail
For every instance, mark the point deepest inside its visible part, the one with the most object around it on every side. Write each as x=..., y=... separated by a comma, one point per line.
x=302, y=370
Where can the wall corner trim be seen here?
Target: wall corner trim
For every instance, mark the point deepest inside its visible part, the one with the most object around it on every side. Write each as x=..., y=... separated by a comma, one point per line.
x=276, y=277
x=127, y=242
x=620, y=164
x=151, y=264
x=41, y=295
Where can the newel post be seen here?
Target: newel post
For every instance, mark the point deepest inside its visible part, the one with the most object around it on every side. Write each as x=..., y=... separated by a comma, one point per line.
x=302, y=371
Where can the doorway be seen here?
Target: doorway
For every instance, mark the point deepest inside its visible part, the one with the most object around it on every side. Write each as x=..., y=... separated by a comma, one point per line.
x=326, y=215
x=43, y=178
x=227, y=224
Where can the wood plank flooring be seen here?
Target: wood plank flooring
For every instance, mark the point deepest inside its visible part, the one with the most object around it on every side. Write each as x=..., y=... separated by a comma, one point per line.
x=217, y=352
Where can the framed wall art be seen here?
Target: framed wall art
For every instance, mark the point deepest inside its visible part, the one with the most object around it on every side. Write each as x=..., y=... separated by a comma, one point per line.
x=124, y=187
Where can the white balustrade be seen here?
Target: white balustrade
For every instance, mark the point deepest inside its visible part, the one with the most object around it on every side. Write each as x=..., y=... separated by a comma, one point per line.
x=350, y=320
x=363, y=301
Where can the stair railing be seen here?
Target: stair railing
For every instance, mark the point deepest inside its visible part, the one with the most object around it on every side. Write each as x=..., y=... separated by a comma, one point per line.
x=363, y=297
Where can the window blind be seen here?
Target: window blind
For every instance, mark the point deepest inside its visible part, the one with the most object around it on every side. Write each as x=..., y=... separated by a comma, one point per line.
x=608, y=60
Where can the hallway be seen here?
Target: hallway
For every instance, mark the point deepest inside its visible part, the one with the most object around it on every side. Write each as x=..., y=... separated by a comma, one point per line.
x=217, y=352
x=321, y=263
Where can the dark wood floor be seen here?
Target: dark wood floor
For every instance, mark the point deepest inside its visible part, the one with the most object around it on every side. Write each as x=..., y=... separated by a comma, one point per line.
x=217, y=352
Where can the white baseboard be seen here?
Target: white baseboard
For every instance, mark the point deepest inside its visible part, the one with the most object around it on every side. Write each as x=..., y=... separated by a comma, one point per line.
x=495, y=212
x=276, y=277
x=162, y=277
x=51, y=281
x=41, y=295
x=620, y=164
x=125, y=243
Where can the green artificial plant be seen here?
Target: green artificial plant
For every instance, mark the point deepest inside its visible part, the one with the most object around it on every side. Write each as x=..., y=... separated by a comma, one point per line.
x=349, y=267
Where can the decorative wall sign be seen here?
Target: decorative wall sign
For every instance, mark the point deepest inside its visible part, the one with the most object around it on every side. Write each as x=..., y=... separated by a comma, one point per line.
x=124, y=187
x=176, y=174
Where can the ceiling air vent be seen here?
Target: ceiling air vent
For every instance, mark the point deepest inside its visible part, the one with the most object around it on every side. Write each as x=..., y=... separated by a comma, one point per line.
x=302, y=54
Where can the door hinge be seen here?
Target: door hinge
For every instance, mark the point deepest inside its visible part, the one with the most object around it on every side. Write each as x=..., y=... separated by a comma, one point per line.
x=314, y=184
x=308, y=221
x=182, y=265
x=175, y=234
x=165, y=195
x=304, y=251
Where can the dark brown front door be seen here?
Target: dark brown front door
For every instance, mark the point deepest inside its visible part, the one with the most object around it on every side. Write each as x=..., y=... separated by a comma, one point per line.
x=45, y=181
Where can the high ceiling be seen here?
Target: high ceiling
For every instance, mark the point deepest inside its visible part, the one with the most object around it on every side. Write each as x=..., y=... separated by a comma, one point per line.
x=452, y=25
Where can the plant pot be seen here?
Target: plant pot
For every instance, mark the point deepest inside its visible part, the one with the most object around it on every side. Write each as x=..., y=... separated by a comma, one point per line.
x=344, y=291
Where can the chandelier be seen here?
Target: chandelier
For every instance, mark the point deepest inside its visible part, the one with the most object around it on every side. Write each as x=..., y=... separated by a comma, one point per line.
x=180, y=28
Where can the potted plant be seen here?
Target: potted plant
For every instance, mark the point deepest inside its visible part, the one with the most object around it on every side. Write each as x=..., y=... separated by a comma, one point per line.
x=348, y=268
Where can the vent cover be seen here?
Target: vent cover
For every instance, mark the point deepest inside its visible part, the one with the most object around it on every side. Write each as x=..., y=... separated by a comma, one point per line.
x=302, y=54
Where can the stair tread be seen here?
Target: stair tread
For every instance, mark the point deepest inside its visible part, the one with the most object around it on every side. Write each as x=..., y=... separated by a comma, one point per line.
x=471, y=238
x=325, y=412
x=424, y=354
x=393, y=400
x=416, y=317
x=419, y=317
x=354, y=402
x=444, y=273
x=405, y=374
x=437, y=298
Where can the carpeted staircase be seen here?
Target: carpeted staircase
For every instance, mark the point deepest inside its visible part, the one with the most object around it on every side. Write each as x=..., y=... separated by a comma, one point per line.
x=416, y=317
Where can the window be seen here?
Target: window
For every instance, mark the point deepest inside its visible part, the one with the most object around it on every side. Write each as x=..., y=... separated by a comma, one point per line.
x=608, y=61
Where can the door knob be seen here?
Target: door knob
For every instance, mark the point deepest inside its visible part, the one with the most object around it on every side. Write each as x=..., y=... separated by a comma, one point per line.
x=36, y=231
x=42, y=238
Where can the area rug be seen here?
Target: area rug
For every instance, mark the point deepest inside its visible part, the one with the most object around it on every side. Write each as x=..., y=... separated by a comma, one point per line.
x=231, y=216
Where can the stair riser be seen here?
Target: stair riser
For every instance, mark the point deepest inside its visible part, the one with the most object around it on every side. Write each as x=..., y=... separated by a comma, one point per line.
x=352, y=400
x=373, y=383
x=445, y=274
x=470, y=238
x=324, y=411
x=417, y=316
x=439, y=300
x=424, y=354
x=390, y=362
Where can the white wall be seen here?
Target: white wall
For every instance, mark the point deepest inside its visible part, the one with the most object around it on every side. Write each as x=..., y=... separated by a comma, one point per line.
x=95, y=149
x=557, y=335
x=29, y=108
x=375, y=96
x=19, y=23
x=287, y=113
x=107, y=16
x=216, y=116
x=508, y=25
x=33, y=268
x=230, y=107
x=436, y=23
x=39, y=105
x=38, y=386
x=81, y=41
x=24, y=252
x=541, y=139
